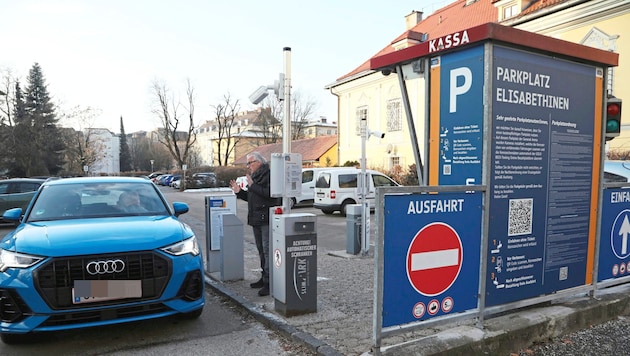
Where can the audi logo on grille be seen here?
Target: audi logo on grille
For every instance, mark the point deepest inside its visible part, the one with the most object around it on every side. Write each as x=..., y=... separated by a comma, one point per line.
x=103, y=267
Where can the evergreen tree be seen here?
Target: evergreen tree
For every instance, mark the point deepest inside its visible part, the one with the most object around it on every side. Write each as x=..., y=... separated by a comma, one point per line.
x=20, y=145
x=125, y=155
x=41, y=144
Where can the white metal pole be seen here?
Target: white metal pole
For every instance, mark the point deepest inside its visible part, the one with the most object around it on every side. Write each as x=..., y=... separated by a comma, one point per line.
x=363, y=186
x=286, y=136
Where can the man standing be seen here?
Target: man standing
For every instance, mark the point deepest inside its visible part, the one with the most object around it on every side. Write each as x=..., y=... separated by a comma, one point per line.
x=259, y=201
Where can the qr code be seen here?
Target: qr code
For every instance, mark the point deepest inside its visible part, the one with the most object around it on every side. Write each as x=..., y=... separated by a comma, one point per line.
x=446, y=170
x=520, y=216
x=564, y=273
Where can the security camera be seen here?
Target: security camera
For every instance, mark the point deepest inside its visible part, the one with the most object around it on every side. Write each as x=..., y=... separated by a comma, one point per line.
x=378, y=134
x=388, y=71
x=258, y=96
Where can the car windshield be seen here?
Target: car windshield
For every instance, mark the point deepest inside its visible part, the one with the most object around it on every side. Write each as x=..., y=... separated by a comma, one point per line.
x=92, y=200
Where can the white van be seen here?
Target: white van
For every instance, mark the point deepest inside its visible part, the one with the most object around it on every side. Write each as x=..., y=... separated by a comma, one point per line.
x=337, y=188
x=309, y=175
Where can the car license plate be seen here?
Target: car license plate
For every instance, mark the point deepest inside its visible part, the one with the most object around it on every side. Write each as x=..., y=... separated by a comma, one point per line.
x=97, y=291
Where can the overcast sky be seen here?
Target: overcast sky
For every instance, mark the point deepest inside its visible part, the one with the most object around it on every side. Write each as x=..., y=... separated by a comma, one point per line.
x=106, y=54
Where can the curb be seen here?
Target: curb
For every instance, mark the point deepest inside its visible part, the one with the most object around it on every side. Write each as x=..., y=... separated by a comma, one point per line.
x=503, y=335
x=273, y=321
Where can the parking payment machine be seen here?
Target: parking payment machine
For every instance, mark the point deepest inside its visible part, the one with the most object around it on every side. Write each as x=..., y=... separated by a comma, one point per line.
x=224, y=235
x=294, y=259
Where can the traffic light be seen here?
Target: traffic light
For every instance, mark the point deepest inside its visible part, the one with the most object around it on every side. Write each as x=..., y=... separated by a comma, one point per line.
x=613, y=118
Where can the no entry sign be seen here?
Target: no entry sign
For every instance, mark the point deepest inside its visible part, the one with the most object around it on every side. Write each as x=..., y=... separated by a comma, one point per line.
x=434, y=259
x=431, y=258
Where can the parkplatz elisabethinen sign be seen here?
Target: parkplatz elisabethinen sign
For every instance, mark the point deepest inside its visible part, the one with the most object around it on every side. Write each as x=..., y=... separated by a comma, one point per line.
x=518, y=116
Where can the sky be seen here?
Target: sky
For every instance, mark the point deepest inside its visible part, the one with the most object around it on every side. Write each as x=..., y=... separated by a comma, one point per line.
x=107, y=54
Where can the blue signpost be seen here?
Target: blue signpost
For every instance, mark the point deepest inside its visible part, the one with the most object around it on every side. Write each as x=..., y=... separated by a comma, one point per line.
x=614, y=243
x=541, y=175
x=432, y=260
x=461, y=117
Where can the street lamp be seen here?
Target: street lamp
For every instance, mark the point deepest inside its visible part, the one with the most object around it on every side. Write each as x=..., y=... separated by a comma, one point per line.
x=282, y=89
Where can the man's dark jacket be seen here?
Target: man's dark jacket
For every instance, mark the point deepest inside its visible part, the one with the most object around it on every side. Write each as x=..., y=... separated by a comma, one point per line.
x=258, y=197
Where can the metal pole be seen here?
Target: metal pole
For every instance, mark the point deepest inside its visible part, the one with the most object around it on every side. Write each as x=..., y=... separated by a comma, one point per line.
x=363, y=187
x=286, y=136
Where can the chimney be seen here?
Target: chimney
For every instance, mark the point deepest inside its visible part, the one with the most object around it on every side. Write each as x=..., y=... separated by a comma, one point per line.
x=413, y=19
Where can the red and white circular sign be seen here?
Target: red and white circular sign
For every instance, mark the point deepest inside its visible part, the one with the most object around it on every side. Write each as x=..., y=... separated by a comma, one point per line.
x=434, y=259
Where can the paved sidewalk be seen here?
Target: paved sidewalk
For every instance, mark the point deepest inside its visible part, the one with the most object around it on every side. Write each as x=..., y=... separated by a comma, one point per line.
x=343, y=323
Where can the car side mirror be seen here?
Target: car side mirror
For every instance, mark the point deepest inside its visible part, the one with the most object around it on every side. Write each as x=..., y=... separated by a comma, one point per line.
x=180, y=208
x=12, y=214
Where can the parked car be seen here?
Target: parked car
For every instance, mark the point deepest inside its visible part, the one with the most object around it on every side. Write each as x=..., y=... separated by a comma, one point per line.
x=154, y=175
x=161, y=180
x=17, y=193
x=335, y=189
x=77, y=260
x=201, y=180
x=309, y=176
x=174, y=177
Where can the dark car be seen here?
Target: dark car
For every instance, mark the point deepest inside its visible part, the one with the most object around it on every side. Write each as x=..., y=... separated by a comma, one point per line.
x=17, y=193
x=202, y=180
x=97, y=251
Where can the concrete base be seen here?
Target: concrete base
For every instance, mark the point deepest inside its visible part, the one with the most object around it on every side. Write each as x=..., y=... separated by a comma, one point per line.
x=282, y=309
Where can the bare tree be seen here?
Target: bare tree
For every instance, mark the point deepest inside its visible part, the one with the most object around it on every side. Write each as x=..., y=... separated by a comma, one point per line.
x=143, y=151
x=225, y=115
x=83, y=147
x=167, y=109
x=302, y=109
x=7, y=97
x=271, y=120
x=7, y=124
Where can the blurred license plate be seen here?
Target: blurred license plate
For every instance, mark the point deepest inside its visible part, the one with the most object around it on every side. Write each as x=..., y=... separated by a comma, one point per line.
x=97, y=291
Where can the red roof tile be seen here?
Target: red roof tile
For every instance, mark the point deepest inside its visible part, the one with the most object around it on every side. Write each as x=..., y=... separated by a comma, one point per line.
x=451, y=18
x=311, y=149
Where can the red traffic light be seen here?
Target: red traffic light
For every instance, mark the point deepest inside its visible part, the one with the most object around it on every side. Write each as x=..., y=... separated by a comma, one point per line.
x=613, y=118
x=613, y=109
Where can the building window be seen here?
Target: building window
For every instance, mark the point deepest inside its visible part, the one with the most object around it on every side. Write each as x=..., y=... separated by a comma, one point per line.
x=394, y=115
x=361, y=115
x=510, y=10
x=394, y=161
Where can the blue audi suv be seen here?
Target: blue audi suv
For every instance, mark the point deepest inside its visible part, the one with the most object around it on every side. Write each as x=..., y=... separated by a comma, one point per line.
x=97, y=251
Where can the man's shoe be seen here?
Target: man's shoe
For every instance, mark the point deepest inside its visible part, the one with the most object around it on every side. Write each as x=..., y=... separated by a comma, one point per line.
x=258, y=284
x=264, y=290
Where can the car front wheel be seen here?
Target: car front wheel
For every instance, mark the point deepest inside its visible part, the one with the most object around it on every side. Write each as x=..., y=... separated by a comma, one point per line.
x=193, y=314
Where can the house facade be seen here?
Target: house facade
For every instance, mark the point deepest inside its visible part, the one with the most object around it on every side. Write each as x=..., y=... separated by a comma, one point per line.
x=108, y=162
x=244, y=134
x=374, y=97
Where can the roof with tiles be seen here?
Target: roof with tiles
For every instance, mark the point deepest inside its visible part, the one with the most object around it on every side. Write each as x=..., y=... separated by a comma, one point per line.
x=536, y=5
x=311, y=149
x=452, y=18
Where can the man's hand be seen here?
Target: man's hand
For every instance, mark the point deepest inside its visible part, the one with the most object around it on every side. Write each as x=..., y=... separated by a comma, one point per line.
x=235, y=187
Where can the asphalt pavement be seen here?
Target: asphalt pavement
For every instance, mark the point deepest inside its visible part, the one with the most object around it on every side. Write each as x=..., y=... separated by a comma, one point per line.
x=343, y=323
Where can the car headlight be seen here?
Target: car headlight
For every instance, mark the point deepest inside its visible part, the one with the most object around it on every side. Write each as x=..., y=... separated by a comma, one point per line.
x=181, y=248
x=9, y=259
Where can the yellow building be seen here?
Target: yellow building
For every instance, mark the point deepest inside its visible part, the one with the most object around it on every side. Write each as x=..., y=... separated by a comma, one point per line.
x=364, y=94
